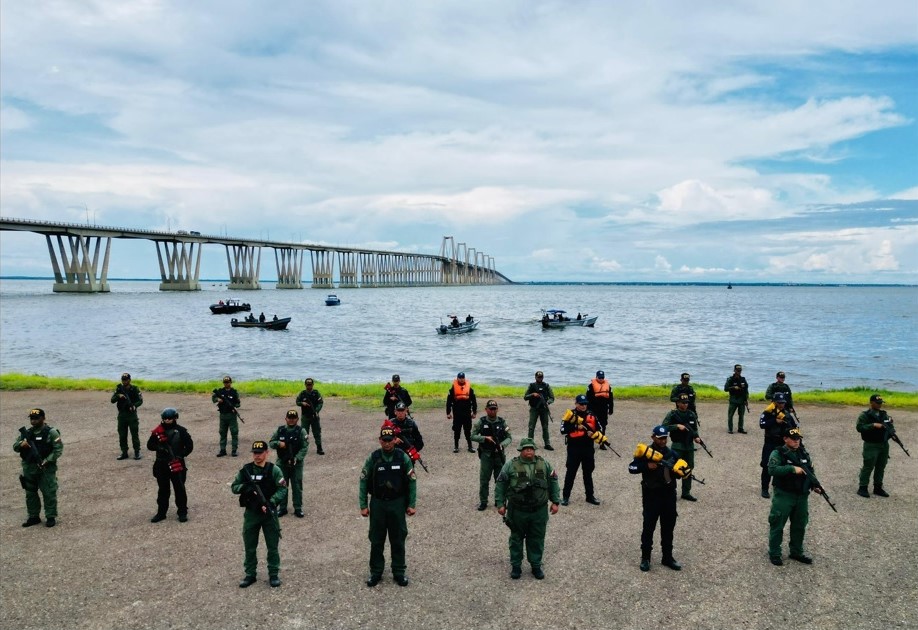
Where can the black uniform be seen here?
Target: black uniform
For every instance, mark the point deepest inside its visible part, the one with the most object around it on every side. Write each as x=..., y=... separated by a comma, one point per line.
x=409, y=432
x=400, y=394
x=658, y=497
x=769, y=422
x=580, y=453
x=169, y=467
x=462, y=407
x=680, y=389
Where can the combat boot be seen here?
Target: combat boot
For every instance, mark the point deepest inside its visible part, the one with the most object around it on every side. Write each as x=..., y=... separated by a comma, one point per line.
x=471, y=450
x=538, y=573
x=515, y=572
x=222, y=453
x=274, y=581
x=137, y=455
x=32, y=520
x=247, y=581
x=862, y=492
x=401, y=580
x=880, y=492
x=123, y=455
x=645, y=563
x=158, y=517
x=374, y=579
x=51, y=522
x=672, y=564
x=765, y=494
x=482, y=506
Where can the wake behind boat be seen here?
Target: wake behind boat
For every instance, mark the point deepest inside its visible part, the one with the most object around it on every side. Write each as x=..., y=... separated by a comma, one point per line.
x=269, y=324
x=556, y=318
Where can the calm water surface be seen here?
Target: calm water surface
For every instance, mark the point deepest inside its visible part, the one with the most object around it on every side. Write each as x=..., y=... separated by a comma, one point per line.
x=827, y=337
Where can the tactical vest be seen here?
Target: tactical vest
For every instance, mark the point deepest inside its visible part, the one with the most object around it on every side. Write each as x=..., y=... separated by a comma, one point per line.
x=527, y=492
x=42, y=441
x=264, y=479
x=680, y=437
x=388, y=480
x=292, y=437
x=461, y=392
x=794, y=483
x=131, y=395
x=230, y=398
x=873, y=434
x=496, y=430
x=600, y=390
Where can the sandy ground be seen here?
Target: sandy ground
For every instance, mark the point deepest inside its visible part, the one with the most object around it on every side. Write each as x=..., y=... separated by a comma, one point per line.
x=106, y=566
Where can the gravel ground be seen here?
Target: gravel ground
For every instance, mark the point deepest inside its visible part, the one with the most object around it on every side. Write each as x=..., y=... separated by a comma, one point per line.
x=106, y=566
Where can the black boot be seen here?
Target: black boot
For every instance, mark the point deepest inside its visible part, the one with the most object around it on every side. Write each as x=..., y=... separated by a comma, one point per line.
x=32, y=520
x=645, y=563
x=123, y=455
x=862, y=492
x=880, y=492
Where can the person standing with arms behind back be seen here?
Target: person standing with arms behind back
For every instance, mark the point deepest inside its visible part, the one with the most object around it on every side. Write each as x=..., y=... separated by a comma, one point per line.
x=388, y=476
x=39, y=446
x=601, y=402
x=684, y=388
x=310, y=402
x=738, y=389
x=525, y=486
x=227, y=401
x=875, y=427
x=461, y=405
x=127, y=398
x=539, y=396
x=172, y=444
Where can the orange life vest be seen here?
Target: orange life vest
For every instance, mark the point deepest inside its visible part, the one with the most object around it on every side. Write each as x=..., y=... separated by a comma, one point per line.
x=601, y=390
x=588, y=423
x=461, y=392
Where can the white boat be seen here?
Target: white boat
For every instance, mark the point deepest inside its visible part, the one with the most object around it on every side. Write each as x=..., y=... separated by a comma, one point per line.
x=556, y=318
x=332, y=300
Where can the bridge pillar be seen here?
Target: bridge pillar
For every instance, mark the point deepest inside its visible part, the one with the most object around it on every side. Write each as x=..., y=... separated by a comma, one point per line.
x=79, y=272
x=323, y=268
x=347, y=269
x=289, y=262
x=184, y=266
x=244, y=266
x=368, y=277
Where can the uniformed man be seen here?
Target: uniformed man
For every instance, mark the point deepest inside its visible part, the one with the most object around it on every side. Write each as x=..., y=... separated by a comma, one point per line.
x=395, y=394
x=39, y=445
x=738, y=389
x=172, y=444
x=773, y=421
x=580, y=429
x=779, y=386
x=388, y=475
x=787, y=465
x=291, y=443
x=227, y=401
x=526, y=491
x=310, y=402
x=461, y=405
x=127, y=398
x=658, y=497
x=540, y=396
x=876, y=428
x=601, y=401
x=684, y=388
x=261, y=488
x=683, y=429
x=493, y=436
x=407, y=432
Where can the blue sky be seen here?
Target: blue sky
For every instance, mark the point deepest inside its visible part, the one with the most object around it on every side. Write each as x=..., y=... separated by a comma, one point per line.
x=577, y=140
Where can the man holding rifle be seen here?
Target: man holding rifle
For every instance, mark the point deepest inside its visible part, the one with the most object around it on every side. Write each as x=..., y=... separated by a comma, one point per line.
x=539, y=396
x=738, y=389
x=172, y=444
x=290, y=442
x=876, y=429
x=39, y=446
x=261, y=488
x=493, y=437
x=127, y=398
x=310, y=402
x=227, y=401
x=683, y=429
x=792, y=469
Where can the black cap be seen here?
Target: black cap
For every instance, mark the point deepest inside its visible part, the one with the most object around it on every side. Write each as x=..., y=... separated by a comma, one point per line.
x=460, y=375
x=259, y=446
x=683, y=398
x=779, y=375
x=539, y=373
x=492, y=404
x=400, y=406
x=600, y=374
x=737, y=368
x=227, y=379
x=792, y=432
x=685, y=376
x=386, y=434
x=293, y=414
x=309, y=381
x=581, y=399
x=396, y=377
x=780, y=397
x=125, y=377
x=36, y=413
x=876, y=398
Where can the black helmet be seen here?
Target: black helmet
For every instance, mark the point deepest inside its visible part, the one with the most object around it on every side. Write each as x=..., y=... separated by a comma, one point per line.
x=169, y=413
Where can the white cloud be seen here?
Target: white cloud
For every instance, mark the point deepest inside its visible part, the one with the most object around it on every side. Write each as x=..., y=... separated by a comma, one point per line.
x=662, y=264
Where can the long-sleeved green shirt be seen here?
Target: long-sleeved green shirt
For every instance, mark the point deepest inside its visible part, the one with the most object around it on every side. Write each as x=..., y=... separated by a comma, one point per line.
x=366, y=476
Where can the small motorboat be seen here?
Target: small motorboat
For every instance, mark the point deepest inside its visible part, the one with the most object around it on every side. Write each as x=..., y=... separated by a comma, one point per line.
x=227, y=307
x=269, y=324
x=455, y=327
x=332, y=300
x=556, y=318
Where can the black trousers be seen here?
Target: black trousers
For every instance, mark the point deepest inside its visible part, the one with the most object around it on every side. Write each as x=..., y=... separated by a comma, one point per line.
x=167, y=482
x=602, y=417
x=659, y=505
x=462, y=424
x=767, y=449
x=580, y=456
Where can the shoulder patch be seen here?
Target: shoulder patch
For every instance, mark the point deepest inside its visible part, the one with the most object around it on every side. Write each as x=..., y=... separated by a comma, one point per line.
x=412, y=474
x=554, y=475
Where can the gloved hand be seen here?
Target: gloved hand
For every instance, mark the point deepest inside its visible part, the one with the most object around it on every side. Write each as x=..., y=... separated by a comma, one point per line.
x=162, y=437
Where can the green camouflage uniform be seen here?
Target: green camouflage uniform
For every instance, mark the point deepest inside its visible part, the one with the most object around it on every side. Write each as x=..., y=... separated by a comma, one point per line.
x=526, y=488
x=273, y=487
x=291, y=460
x=127, y=416
x=391, y=482
x=310, y=404
x=490, y=457
x=43, y=479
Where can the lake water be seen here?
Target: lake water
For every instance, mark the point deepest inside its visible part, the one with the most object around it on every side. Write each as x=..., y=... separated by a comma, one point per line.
x=822, y=337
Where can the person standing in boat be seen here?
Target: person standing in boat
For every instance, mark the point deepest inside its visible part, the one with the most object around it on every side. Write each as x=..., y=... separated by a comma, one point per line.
x=461, y=405
x=395, y=393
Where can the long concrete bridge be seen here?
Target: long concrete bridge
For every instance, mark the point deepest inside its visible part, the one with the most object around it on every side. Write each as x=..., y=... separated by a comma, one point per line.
x=80, y=257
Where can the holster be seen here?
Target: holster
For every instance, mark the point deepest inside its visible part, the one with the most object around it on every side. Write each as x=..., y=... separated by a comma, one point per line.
x=27, y=485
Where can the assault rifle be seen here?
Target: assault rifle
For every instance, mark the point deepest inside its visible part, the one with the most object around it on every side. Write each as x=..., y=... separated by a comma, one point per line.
x=705, y=447
x=119, y=389
x=542, y=403
x=602, y=440
x=235, y=411
x=814, y=482
x=891, y=432
x=409, y=448
x=34, y=455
